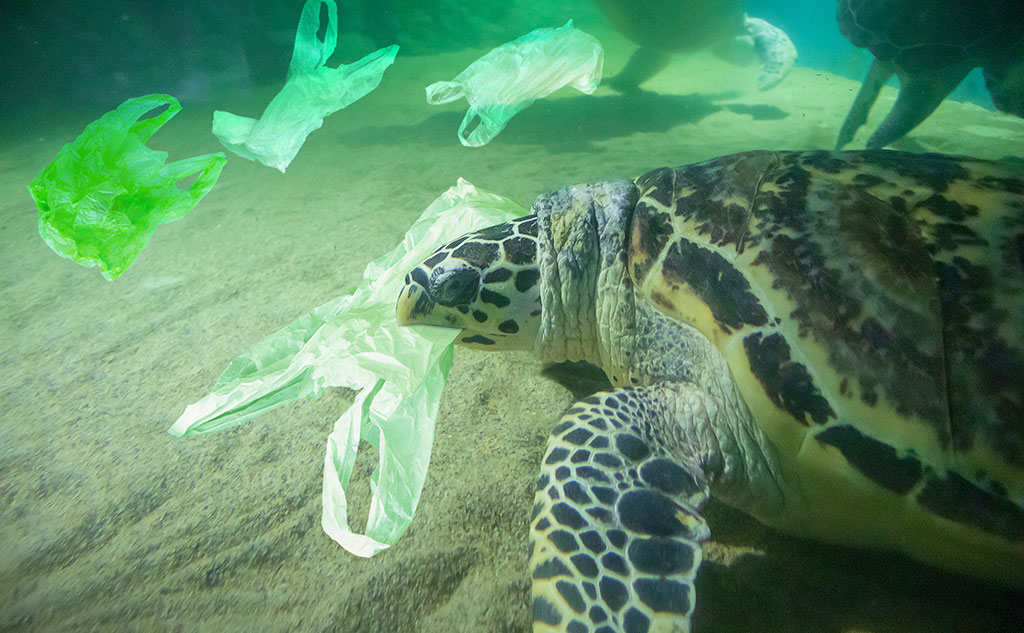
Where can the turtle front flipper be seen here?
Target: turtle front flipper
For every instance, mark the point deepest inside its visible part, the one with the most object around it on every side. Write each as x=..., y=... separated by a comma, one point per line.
x=644, y=64
x=918, y=97
x=616, y=534
x=878, y=74
x=1005, y=82
x=773, y=48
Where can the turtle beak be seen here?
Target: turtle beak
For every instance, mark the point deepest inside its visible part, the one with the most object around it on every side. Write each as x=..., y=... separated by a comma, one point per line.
x=413, y=304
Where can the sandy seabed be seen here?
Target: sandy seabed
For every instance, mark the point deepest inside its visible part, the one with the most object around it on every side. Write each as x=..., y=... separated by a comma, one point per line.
x=108, y=523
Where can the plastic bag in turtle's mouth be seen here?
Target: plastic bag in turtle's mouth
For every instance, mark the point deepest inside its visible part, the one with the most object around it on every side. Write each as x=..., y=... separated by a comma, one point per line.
x=355, y=341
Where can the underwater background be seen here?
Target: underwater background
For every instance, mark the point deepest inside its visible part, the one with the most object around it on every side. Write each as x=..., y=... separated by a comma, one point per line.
x=108, y=523
x=104, y=52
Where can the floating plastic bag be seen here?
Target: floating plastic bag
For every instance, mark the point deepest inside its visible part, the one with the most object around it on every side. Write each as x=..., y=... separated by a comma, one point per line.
x=104, y=194
x=511, y=77
x=354, y=341
x=312, y=92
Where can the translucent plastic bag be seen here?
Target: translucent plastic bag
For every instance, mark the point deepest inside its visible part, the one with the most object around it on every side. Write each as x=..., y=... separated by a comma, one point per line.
x=511, y=77
x=311, y=92
x=104, y=194
x=355, y=341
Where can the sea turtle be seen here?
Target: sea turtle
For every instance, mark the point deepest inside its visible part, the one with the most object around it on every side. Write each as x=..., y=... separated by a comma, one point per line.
x=931, y=45
x=832, y=342
x=664, y=27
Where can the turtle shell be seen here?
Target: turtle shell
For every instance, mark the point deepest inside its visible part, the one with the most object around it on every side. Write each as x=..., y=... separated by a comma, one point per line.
x=926, y=35
x=873, y=301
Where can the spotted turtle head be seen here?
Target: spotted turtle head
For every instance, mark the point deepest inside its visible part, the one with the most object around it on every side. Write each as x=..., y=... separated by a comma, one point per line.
x=484, y=283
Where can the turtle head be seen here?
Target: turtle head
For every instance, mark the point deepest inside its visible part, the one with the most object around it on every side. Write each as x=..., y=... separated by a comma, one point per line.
x=553, y=283
x=484, y=283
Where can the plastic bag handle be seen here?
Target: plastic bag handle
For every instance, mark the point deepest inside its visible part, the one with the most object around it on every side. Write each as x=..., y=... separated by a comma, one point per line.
x=310, y=53
x=489, y=122
x=480, y=133
x=208, y=166
x=445, y=92
x=133, y=109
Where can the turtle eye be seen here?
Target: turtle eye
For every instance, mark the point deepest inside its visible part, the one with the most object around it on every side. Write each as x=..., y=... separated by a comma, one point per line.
x=457, y=287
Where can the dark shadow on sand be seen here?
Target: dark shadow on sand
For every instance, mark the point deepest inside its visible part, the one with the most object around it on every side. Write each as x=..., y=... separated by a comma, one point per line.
x=572, y=124
x=800, y=586
x=758, y=112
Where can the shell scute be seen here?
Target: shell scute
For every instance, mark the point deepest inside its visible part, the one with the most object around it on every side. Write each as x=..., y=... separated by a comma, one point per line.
x=714, y=196
x=716, y=282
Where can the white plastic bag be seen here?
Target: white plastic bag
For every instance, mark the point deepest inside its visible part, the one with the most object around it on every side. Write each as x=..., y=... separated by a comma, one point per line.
x=312, y=92
x=511, y=77
x=355, y=341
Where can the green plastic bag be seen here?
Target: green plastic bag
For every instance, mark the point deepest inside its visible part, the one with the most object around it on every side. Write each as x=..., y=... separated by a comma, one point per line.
x=104, y=194
x=354, y=341
x=311, y=92
x=511, y=77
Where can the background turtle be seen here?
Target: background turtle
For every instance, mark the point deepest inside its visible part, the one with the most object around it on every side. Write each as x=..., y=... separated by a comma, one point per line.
x=831, y=342
x=664, y=27
x=931, y=45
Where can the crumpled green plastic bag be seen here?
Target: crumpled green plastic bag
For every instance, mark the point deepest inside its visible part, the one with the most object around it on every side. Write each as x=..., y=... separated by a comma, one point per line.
x=104, y=194
x=354, y=341
x=511, y=77
x=311, y=92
